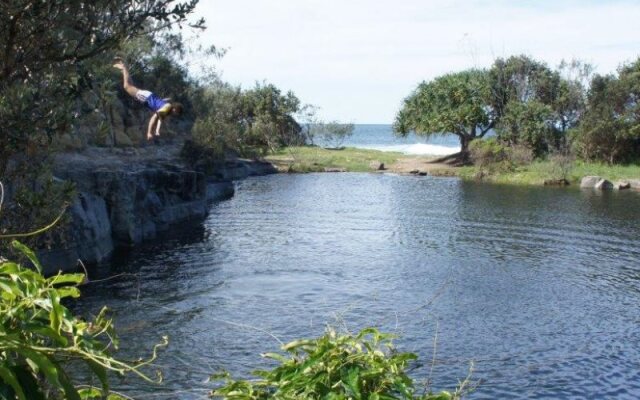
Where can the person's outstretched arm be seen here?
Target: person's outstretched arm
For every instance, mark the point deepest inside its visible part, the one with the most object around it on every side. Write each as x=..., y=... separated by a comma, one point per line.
x=158, y=124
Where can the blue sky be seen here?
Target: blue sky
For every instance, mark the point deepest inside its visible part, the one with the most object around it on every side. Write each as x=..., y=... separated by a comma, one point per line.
x=357, y=59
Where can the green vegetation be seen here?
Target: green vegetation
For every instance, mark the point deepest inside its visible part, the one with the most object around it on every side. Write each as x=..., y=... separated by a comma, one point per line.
x=316, y=159
x=543, y=119
x=40, y=338
x=539, y=171
x=529, y=104
x=458, y=103
x=340, y=367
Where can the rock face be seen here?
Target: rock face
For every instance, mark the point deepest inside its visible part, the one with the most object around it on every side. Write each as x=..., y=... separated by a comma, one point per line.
x=127, y=196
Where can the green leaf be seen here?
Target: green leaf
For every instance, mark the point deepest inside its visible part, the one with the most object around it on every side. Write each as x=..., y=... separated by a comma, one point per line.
x=28, y=253
x=46, y=331
x=275, y=356
x=57, y=313
x=43, y=363
x=90, y=393
x=29, y=384
x=66, y=278
x=69, y=292
x=351, y=382
x=101, y=373
x=10, y=379
x=70, y=392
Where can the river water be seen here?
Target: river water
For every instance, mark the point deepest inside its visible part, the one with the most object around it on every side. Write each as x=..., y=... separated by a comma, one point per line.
x=539, y=287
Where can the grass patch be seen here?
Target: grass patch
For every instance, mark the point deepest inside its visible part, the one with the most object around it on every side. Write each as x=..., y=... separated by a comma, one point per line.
x=316, y=159
x=539, y=171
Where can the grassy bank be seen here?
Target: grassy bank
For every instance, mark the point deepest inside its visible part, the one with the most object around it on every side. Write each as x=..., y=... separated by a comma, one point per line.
x=316, y=159
x=537, y=172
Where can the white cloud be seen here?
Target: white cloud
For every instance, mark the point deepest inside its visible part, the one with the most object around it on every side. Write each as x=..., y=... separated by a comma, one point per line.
x=358, y=59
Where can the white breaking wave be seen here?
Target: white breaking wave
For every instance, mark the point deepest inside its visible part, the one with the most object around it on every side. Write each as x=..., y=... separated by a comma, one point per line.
x=414, y=149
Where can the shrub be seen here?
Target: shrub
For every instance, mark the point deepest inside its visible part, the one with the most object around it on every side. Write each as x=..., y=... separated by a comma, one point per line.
x=39, y=337
x=520, y=155
x=485, y=153
x=562, y=162
x=340, y=367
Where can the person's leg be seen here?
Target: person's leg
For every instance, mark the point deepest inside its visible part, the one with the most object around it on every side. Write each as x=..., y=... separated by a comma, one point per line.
x=128, y=85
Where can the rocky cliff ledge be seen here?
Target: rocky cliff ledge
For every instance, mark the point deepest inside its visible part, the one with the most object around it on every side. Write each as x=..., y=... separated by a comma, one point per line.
x=127, y=196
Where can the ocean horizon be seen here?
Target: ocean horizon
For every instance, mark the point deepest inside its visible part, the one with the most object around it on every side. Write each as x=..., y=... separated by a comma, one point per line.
x=381, y=137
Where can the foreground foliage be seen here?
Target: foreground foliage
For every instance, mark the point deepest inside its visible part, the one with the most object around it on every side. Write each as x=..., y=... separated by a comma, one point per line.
x=39, y=337
x=336, y=367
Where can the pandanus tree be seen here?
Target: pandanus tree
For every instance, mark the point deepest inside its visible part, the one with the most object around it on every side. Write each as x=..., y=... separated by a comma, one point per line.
x=459, y=103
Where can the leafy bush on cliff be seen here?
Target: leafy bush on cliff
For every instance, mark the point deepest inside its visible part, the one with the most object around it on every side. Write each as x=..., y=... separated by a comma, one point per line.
x=249, y=123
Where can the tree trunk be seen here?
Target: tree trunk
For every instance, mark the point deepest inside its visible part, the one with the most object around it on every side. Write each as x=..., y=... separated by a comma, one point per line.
x=464, y=148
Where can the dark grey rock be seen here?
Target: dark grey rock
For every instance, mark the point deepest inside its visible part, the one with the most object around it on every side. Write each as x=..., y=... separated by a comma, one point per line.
x=217, y=191
x=622, y=185
x=603, y=184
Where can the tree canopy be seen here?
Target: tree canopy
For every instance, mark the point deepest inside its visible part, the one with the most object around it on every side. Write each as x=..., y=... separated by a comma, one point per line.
x=458, y=103
x=43, y=45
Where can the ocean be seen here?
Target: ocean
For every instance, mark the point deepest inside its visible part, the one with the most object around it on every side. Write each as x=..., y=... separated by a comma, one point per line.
x=381, y=137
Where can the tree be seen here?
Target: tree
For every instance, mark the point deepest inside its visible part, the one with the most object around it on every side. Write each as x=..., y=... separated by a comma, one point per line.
x=458, y=103
x=570, y=104
x=525, y=93
x=610, y=130
x=247, y=122
x=43, y=45
x=332, y=133
x=528, y=124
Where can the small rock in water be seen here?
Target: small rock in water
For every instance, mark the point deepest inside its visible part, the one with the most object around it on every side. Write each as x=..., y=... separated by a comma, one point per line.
x=414, y=172
x=634, y=184
x=621, y=185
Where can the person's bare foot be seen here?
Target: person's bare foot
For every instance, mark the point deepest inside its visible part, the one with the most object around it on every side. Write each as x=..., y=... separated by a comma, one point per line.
x=118, y=63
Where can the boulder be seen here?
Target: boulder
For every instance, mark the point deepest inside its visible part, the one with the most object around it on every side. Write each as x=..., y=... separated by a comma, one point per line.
x=329, y=169
x=634, y=184
x=603, y=184
x=621, y=185
x=589, y=182
x=376, y=165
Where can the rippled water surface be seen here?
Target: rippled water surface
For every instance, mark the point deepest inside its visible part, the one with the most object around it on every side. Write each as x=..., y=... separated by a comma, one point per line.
x=539, y=287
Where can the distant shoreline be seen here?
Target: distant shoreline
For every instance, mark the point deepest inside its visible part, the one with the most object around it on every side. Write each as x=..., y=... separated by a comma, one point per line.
x=352, y=159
